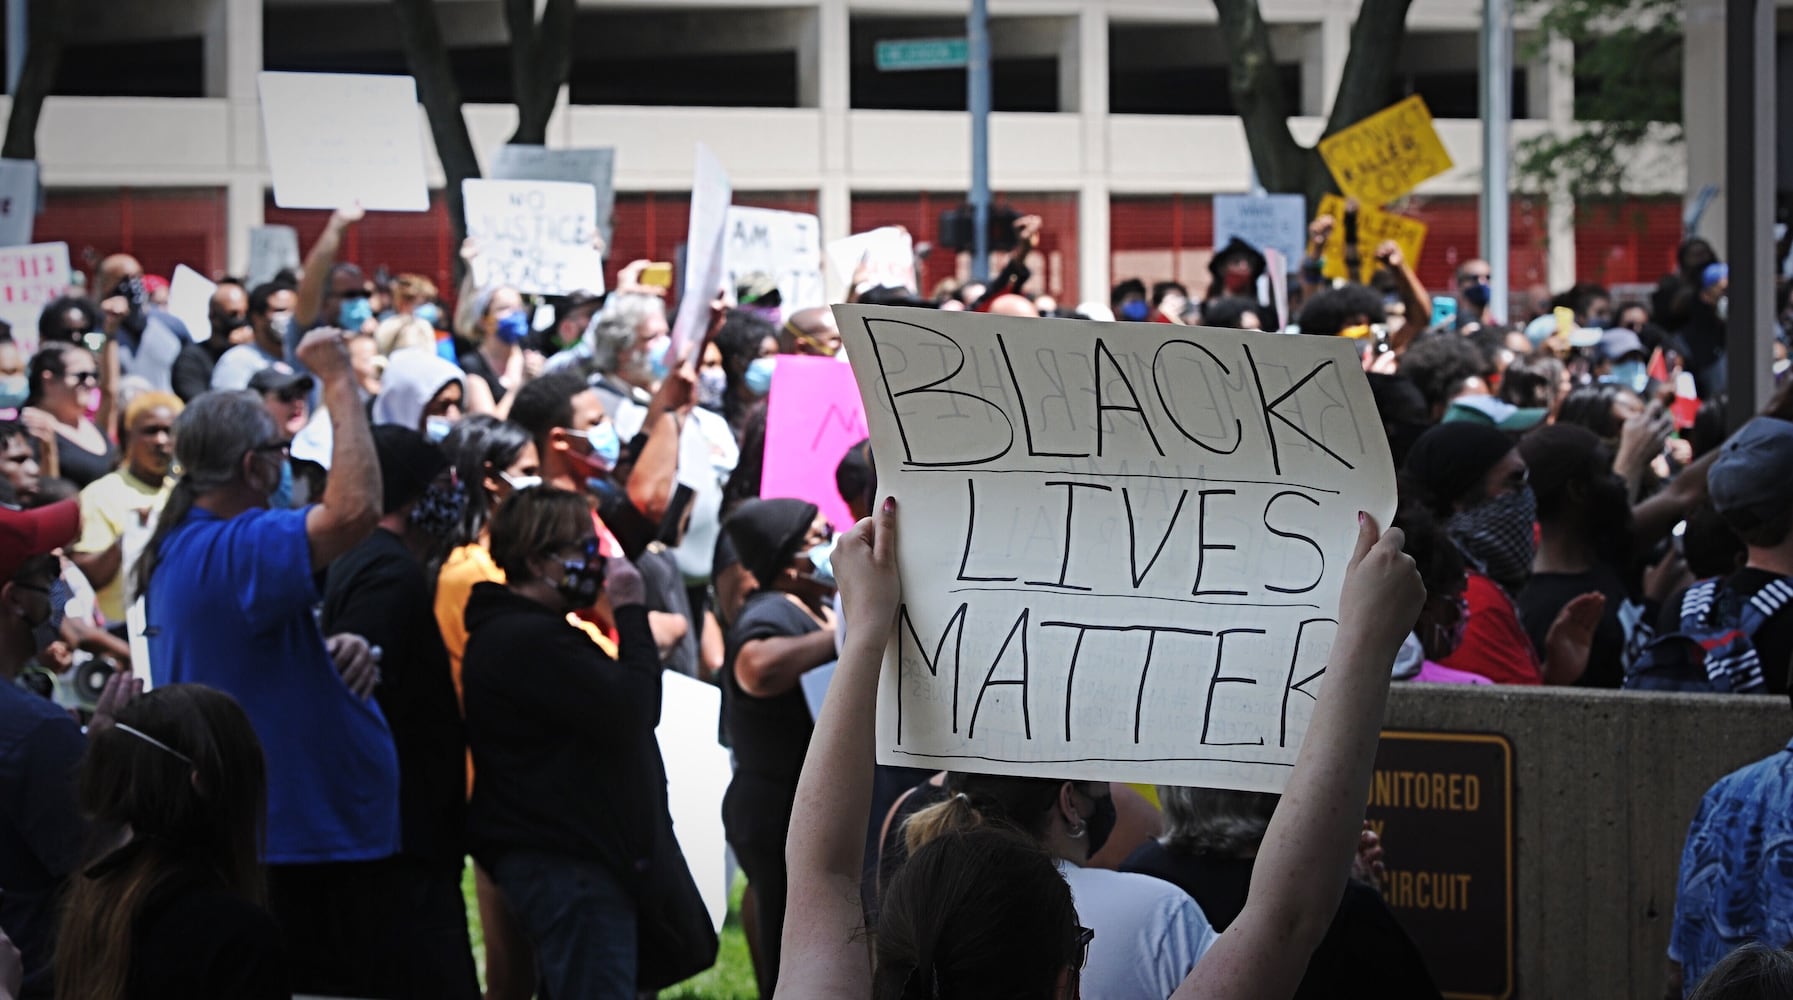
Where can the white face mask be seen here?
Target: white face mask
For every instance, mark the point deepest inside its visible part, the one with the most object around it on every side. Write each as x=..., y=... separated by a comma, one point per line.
x=520, y=483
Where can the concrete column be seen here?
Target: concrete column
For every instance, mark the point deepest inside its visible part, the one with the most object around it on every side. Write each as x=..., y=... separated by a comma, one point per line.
x=233, y=52
x=1556, y=83
x=833, y=91
x=1070, y=65
x=1335, y=45
x=1093, y=244
x=1702, y=112
x=1316, y=89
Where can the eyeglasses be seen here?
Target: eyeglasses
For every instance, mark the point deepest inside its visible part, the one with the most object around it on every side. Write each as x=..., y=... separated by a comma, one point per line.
x=82, y=378
x=355, y=293
x=1084, y=936
x=289, y=396
x=275, y=446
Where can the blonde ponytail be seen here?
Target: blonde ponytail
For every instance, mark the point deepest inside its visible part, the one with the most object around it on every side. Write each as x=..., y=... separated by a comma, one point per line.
x=955, y=814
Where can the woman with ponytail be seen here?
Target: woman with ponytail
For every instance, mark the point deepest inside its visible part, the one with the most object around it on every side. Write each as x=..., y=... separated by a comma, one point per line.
x=983, y=909
x=170, y=903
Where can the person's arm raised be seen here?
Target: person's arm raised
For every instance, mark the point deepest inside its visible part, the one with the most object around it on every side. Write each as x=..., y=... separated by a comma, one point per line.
x=824, y=953
x=351, y=503
x=314, y=279
x=1300, y=873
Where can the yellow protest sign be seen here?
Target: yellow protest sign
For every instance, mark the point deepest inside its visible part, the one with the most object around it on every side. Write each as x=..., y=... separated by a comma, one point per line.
x=1387, y=154
x=1372, y=228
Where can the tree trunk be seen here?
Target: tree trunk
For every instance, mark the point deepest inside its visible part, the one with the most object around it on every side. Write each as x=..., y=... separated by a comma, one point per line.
x=541, y=61
x=427, y=55
x=1364, y=89
x=43, y=53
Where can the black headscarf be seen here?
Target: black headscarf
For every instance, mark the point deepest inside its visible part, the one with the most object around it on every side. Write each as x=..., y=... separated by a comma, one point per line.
x=1447, y=461
x=767, y=535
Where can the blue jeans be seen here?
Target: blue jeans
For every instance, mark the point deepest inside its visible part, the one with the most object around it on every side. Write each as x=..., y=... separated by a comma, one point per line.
x=581, y=920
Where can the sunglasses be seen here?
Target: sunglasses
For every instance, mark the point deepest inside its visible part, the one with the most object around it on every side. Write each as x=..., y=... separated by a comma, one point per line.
x=355, y=293
x=82, y=378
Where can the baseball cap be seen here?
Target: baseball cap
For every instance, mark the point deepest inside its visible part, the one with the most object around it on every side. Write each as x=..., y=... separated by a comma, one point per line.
x=280, y=377
x=757, y=289
x=1495, y=413
x=1752, y=478
x=27, y=533
x=1619, y=342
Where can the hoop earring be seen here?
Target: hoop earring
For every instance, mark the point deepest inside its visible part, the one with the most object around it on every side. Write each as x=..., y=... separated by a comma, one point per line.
x=1076, y=832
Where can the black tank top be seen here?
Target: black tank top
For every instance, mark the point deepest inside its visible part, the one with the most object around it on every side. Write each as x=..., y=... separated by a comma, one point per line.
x=80, y=466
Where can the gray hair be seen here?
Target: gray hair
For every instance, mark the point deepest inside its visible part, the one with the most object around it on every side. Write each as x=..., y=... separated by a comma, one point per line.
x=616, y=326
x=211, y=436
x=1215, y=820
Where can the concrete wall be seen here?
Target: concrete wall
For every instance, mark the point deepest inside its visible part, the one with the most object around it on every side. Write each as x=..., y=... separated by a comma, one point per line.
x=1605, y=783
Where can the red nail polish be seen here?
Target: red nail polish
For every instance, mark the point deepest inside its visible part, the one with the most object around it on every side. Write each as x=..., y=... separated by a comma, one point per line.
x=1362, y=517
x=889, y=504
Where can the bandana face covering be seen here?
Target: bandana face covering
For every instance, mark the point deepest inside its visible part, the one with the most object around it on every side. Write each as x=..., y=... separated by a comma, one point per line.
x=1498, y=536
x=439, y=509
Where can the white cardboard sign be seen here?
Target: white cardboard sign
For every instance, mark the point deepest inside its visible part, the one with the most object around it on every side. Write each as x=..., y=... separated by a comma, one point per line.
x=1123, y=544
x=888, y=254
x=1266, y=221
x=596, y=167
x=697, y=776
x=18, y=201
x=190, y=301
x=272, y=249
x=340, y=139
x=785, y=245
x=710, y=195
x=535, y=236
x=31, y=277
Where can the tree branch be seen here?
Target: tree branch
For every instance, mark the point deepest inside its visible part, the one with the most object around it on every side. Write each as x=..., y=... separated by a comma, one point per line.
x=1367, y=83
x=427, y=55
x=43, y=53
x=541, y=61
x=1258, y=95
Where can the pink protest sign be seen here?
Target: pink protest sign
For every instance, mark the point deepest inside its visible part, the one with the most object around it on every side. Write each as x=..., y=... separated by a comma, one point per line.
x=813, y=416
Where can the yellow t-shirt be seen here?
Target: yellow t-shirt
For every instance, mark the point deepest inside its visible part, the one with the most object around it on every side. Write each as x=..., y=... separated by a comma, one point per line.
x=119, y=506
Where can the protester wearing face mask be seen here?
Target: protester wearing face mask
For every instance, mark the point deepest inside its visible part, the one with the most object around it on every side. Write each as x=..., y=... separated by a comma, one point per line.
x=812, y=332
x=270, y=328
x=1148, y=932
x=785, y=629
x=1439, y=630
x=65, y=396
x=420, y=391
x=1234, y=270
x=1473, y=292
x=149, y=339
x=1473, y=480
x=499, y=327
x=749, y=347
x=229, y=598
x=378, y=591
x=1625, y=361
x=552, y=718
x=229, y=315
x=40, y=745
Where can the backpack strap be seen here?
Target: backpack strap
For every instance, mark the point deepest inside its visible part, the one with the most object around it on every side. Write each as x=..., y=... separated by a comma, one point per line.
x=1774, y=596
x=1696, y=604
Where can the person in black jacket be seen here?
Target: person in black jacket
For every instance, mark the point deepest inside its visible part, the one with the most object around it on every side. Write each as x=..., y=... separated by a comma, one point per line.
x=379, y=591
x=569, y=789
x=1209, y=850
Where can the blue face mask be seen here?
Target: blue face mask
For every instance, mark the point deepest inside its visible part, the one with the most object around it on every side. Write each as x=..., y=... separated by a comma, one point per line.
x=606, y=447
x=821, y=556
x=282, y=497
x=1634, y=374
x=429, y=312
x=759, y=375
x=513, y=326
x=1135, y=311
x=354, y=312
x=1476, y=293
x=657, y=350
x=437, y=428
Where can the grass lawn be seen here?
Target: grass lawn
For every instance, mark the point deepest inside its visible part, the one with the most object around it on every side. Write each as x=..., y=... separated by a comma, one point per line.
x=731, y=978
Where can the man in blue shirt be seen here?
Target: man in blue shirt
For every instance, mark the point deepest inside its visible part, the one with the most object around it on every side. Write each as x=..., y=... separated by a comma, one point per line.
x=230, y=597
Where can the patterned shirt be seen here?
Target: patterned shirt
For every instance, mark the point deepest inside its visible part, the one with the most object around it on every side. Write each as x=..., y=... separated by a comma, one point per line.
x=1736, y=882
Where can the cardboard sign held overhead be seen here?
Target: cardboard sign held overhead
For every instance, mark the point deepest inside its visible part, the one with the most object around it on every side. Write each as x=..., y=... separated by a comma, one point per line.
x=190, y=301
x=18, y=201
x=338, y=139
x=1266, y=221
x=785, y=245
x=710, y=195
x=272, y=249
x=888, y=254
x=813, y=416
x=1372, y=228
x=535, y=236
x=31, y=277
x=1387, y=154
x=596, y=167
x=1123, y=544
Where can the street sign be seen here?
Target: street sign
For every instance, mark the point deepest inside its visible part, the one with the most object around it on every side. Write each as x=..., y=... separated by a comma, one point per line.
x=922, y=53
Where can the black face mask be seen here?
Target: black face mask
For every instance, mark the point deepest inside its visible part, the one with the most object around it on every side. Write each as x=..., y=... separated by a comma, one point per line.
x=136, y=298
x=1101, y=822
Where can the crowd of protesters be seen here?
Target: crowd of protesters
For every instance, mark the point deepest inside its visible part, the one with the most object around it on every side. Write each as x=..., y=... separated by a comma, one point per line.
x=407, y=573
